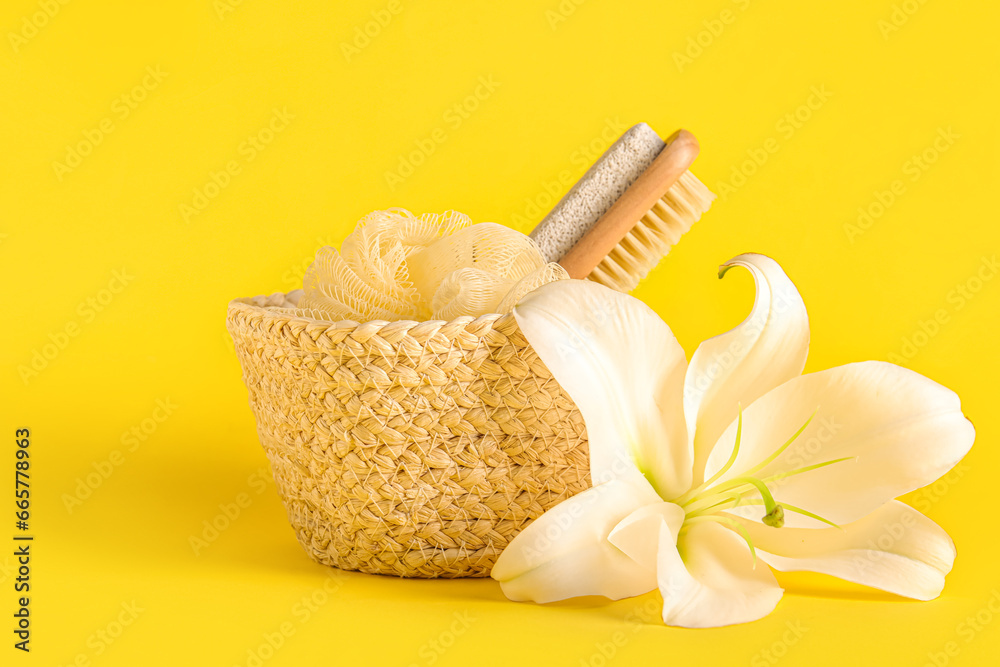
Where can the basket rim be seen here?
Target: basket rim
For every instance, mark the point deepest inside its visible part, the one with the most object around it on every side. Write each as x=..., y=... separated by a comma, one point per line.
x=265, y=306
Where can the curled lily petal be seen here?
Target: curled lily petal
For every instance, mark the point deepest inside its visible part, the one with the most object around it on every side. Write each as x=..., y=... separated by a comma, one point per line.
x=890, y=429
x=895, y=549
x=708, y=579
x=734, y=368
x=624, y=369
x=565, y=553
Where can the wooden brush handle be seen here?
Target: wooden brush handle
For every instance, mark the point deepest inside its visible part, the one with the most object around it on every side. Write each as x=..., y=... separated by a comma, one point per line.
x=675, y=158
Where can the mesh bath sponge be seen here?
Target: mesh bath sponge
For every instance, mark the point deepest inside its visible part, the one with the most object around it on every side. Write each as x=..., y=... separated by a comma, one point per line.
x=398, y=266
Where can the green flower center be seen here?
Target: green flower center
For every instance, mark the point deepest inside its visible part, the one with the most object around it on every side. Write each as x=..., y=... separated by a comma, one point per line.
x=706, y=501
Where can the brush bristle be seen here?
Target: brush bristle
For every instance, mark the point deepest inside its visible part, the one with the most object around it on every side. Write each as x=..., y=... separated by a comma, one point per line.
x=654, y=235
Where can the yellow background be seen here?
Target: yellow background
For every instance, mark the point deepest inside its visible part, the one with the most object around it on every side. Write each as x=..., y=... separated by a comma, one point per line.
x=563, y=73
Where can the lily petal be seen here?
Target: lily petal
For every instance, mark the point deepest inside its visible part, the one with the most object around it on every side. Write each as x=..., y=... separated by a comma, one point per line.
x=899, y=430
x=734, y=368
x=708, y=579
x=565, y=552
x=895, y=549
x=624, y=369
x=638, y=534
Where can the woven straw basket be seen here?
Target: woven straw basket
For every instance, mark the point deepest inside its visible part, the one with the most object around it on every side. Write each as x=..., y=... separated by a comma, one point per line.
x=405, y=448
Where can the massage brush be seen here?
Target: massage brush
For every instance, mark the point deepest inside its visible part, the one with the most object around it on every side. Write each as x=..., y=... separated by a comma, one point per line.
x=626, y=213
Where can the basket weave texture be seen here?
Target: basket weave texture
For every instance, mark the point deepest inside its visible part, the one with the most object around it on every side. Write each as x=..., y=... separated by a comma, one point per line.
x=405, y=448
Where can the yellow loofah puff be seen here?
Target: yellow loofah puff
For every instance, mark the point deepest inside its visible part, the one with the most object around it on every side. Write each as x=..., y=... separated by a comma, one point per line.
x=398, y=266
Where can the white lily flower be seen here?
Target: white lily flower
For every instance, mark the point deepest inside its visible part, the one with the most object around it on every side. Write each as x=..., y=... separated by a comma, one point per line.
x=690, y=490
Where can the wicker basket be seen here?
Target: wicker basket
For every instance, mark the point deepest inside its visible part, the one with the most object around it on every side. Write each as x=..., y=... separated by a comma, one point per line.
x=405, y=448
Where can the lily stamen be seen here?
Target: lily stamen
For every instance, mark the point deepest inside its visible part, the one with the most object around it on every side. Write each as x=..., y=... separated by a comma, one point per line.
x=774, y=516
x=712, y=504
x=760, y=466
x=694, y=493
x=799, y=510
x=799, y=471
x=705, y=500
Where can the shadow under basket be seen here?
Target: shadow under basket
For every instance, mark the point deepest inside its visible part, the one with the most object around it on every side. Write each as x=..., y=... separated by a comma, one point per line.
x=406, y=448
